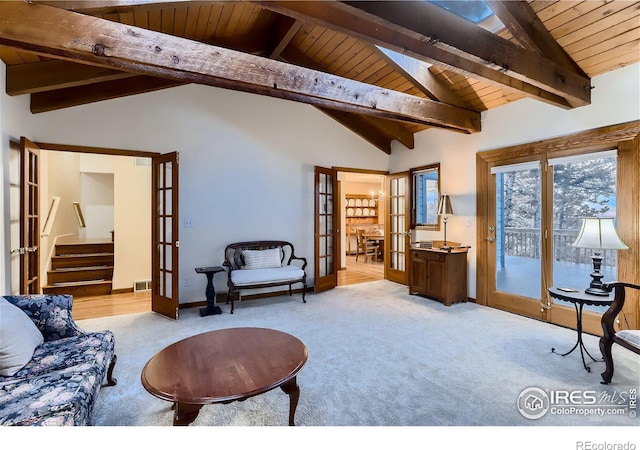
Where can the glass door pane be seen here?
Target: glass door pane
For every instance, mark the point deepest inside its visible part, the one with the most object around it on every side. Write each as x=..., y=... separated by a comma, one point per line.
x=581, y=188
x=518, y=239
x=397, y=228
x=325, y=229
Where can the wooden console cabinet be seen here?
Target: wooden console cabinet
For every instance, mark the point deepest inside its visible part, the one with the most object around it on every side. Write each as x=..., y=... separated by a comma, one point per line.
x=439, y=274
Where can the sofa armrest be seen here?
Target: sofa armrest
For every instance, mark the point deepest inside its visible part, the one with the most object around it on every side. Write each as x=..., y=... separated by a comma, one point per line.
x=50, y=313
x=304, y=261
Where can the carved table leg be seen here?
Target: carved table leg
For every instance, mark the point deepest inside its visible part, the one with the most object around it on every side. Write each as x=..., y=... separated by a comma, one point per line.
x=185, y=413
x=291, y=388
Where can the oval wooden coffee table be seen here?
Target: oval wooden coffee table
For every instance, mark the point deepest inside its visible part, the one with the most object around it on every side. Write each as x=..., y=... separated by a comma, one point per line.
x=224, y=366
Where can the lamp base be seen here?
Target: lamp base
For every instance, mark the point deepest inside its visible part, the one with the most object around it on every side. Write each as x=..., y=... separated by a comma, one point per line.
x=597, y=291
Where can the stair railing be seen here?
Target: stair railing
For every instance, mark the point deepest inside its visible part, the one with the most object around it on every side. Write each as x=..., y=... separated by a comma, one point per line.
x=51, y=216
x=79, y=215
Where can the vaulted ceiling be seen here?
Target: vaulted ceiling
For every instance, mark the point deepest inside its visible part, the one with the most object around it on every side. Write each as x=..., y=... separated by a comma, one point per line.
x=385, y=70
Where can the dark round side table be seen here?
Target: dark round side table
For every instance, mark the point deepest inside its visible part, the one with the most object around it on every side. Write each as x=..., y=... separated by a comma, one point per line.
x=579, y=299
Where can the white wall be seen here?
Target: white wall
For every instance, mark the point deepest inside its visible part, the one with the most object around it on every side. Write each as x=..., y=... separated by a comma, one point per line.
x=246, y=162
x=615, y=99
x=132, y=222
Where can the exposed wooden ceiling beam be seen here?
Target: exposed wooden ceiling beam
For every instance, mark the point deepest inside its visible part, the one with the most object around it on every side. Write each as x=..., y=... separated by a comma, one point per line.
x=527, y=28
x=426, y=31
x=389, y=128
x=97, y=92
x=417, y=72
x=50, y=75
x=62, y=84
x=286, y=30
x=393, y=130
x=361, y=127
x=68, y=35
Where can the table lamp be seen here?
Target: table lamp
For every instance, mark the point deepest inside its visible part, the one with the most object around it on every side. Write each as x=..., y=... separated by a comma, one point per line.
x=445, y=210
x=598, y=234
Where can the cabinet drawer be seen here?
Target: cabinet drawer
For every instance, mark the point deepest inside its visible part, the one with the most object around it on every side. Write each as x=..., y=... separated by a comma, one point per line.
x=433, y=256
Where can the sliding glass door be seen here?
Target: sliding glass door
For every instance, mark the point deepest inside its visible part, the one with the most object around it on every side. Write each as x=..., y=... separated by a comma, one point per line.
x=515, y=237
x=583, y=186
x=535, y=211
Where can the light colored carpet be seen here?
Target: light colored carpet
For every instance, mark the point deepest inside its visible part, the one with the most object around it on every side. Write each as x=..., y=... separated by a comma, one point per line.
x=377, y=357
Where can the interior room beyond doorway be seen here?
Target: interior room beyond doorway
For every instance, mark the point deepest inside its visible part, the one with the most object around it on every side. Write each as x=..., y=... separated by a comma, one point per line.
x=362, y=198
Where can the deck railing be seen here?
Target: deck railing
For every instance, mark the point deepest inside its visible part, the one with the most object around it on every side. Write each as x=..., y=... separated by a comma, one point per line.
x=526, y=242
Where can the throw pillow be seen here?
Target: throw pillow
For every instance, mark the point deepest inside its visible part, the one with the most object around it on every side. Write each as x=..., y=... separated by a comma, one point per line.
x=262, y=259
x=19, y=338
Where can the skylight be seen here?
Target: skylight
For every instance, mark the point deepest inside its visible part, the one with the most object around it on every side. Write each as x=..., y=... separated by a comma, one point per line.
x=475, y=11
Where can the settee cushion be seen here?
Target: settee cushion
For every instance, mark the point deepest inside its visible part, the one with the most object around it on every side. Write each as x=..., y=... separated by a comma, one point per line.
x=261, y=259
x=630, y=336
x=19, y=337
x=259, y=276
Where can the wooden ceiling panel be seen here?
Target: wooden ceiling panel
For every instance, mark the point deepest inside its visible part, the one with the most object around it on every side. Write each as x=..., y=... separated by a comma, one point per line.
x=630, y=25
x=551, y=10
x=314, y=46
x=331, y=46
x=599, y=35
x=575, y=12
x=141, y=18
x=594, y=15
x=621, y=41
x=614, y=59
x=326, y=59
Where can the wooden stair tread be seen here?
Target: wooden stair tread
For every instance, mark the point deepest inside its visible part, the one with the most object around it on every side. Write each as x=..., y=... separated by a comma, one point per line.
x=80, y=268
x=80, y=255
x=79, y=283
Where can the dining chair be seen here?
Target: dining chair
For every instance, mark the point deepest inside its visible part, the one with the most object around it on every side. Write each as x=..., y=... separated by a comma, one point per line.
x=366, y=246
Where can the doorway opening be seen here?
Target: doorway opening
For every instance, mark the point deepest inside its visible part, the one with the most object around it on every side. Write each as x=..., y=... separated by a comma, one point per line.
x=96, y=192
x=362, y=218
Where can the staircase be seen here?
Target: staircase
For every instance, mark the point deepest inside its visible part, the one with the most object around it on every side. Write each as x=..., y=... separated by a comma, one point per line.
x=81, y=268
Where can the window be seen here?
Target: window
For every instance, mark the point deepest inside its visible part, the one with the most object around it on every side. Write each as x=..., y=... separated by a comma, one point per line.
x=425, y=196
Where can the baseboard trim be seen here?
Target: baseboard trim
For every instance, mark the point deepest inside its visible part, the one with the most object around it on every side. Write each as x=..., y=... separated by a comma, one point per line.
x=122, y=291
x=222, y=297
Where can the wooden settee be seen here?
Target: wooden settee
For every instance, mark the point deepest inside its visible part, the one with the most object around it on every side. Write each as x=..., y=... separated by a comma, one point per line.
x=629, y=339
x=263, y=264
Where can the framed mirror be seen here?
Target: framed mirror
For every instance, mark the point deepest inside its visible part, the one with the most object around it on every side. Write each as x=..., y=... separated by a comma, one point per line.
x=425, y=194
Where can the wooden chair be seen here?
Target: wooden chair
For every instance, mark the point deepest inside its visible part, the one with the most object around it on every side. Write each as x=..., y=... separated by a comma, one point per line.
x=629, y=339
x=365, y=246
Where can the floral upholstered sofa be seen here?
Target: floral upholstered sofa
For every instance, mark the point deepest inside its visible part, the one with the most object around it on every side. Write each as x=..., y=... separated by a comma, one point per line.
x=50, y=374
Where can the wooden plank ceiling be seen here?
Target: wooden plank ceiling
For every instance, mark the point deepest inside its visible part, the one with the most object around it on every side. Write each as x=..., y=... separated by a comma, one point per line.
x=385, y=70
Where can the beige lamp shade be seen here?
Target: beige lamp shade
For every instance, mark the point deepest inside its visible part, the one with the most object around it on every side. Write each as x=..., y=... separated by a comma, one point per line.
x=599, y=233
x=444, y=207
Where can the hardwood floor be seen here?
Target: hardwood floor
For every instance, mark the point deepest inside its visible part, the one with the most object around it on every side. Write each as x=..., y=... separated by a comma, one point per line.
x=111, y=305
x=360, y=271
